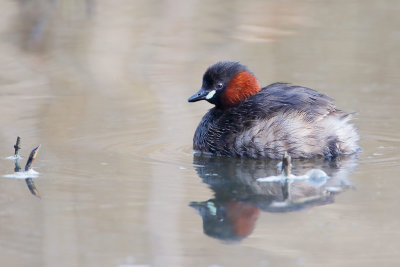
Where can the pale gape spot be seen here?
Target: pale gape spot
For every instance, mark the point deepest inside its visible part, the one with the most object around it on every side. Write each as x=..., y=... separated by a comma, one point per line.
x=210, y=94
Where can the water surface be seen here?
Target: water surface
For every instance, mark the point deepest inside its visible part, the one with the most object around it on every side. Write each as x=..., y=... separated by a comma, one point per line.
x=103, y=87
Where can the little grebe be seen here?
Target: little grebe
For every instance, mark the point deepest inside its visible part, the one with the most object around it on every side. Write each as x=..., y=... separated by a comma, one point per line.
x=254, y=122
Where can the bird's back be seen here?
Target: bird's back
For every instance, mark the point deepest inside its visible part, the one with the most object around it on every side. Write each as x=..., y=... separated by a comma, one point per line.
x=281, y=117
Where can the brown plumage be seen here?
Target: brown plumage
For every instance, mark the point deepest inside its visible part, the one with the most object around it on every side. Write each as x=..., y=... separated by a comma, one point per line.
x=248, y=121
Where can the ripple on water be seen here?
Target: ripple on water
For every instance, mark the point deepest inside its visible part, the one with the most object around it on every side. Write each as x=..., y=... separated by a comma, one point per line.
x=381, y=150
x=170, y=153
x=385, y=138
x=139, y=144
x=23, y=175
x=382, y=160
x=14, y=158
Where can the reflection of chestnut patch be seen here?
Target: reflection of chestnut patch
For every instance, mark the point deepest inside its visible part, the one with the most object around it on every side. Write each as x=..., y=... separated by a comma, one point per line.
x=243, y=217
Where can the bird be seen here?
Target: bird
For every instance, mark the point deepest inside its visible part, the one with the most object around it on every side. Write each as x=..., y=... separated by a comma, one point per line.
x=248, y=121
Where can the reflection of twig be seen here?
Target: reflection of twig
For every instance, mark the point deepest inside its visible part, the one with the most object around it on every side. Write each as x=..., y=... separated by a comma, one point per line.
x=32, y=187
x=286, y=167
x=17, y=147
x=32, y=158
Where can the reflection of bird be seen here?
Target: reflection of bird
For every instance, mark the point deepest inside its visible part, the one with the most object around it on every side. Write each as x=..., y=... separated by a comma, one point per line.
x=255, y=122
x=239, y=197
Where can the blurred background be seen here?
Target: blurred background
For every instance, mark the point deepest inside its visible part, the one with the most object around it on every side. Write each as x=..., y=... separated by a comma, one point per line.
x=103, y=86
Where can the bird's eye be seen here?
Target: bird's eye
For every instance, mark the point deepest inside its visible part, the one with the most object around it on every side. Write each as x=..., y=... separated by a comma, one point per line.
x=219, y=85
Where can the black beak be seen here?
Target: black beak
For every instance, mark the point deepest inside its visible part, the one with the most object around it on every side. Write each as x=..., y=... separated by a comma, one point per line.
x=200, y=95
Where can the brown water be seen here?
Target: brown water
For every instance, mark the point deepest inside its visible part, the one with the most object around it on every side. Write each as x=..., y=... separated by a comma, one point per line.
x=103, y=87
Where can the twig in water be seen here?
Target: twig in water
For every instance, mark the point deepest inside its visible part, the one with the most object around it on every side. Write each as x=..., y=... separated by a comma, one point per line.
x=17, y=166
x=286, y=164
x=17, y=146
x=32, y=158
x=28, y=166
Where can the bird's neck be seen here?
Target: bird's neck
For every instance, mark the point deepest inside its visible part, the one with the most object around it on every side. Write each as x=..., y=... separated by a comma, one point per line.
x=242, y=86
